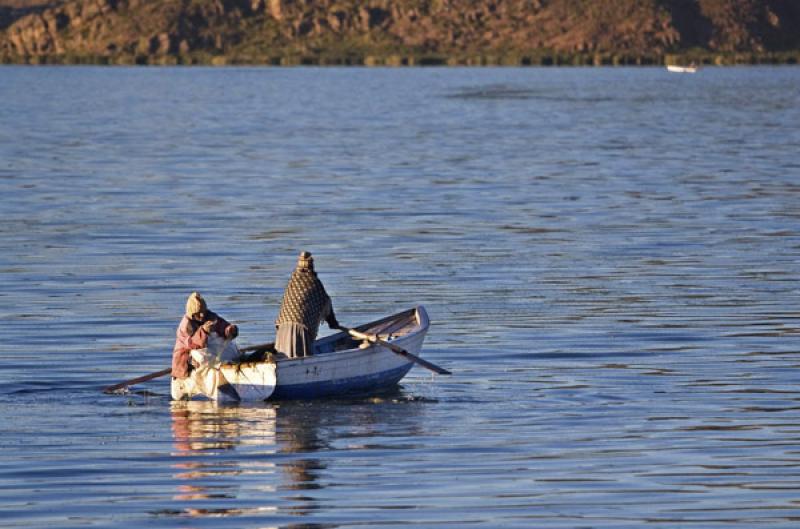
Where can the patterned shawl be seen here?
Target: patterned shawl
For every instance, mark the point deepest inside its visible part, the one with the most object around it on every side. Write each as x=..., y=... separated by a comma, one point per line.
x=304, y=301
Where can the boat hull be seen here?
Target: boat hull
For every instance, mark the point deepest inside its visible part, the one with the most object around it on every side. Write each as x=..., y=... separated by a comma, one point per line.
x=358, y=371
x=681, y=69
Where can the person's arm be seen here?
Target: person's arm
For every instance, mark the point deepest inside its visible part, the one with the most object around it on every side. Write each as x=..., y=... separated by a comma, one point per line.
x=330, y=318
x=223, y=328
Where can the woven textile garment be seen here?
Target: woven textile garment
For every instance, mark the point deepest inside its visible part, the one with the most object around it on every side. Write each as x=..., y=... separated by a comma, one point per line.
x=305, y=305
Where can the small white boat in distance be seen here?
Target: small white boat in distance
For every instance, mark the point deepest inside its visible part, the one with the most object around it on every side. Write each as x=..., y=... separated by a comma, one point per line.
x=682, y=69
x=340, y=365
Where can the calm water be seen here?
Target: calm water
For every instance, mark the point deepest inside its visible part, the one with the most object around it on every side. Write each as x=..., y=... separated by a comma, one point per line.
x=610, y=259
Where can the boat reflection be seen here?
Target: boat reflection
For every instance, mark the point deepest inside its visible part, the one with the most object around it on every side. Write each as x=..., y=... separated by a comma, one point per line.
x=271, y=460
x=207, y=426
x=204, y=436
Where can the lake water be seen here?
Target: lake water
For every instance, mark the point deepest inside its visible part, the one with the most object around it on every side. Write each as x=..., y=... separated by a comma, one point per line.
x=610, y=259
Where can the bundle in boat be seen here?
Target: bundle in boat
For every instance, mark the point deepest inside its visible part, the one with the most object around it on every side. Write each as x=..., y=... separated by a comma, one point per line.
x=223, y=377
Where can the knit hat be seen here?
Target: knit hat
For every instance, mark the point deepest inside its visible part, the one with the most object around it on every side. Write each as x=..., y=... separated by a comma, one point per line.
x=195, y=304
x=305, y=261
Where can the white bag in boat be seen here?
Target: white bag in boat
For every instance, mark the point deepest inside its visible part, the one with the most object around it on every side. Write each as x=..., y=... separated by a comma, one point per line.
x=216, y=378
x=205, y=379
x=217, y=350
x=210, y=383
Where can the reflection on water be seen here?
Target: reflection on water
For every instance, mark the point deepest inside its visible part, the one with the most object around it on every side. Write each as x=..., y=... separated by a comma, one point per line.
x=202, y=433
x=198, y=425
x=270, y=454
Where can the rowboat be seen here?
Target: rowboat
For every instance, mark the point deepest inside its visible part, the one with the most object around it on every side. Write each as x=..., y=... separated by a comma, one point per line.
x=341, y=364
x=681, y=69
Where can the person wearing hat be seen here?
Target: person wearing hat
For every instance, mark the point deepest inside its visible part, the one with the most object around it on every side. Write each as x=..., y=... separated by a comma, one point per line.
x=193, y=331
x=304, y=306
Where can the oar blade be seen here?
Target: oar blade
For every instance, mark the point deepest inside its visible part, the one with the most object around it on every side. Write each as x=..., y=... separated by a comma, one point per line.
x=420, y=361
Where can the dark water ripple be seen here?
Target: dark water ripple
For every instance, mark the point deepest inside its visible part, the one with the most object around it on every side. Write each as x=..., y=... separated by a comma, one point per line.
x=609, y=257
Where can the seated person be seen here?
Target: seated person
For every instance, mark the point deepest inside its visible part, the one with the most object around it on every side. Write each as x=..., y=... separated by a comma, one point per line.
x=197, y=324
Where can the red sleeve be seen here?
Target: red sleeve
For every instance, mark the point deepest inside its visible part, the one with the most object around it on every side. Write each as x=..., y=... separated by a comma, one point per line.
x=185, y=341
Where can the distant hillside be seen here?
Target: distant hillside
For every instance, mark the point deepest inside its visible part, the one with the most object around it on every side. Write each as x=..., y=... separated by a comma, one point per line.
x=398, y=32
x=11, y=10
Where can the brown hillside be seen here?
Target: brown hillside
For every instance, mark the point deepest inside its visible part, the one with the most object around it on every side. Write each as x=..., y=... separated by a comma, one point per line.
x=398, y=32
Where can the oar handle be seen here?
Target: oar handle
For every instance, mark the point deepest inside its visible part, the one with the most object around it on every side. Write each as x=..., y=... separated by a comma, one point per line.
x=395, y=349
x=137, y=380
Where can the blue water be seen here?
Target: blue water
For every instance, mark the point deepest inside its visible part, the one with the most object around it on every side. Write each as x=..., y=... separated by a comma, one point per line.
x=610, y=259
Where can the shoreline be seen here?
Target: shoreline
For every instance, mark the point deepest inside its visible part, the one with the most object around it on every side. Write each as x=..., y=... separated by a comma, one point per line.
x=787, y=58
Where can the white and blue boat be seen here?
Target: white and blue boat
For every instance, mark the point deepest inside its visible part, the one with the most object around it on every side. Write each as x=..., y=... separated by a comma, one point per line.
x=341, y=364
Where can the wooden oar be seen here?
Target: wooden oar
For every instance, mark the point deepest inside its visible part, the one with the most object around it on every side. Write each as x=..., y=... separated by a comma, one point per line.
x=137, y=380
x=395, y=349
x=157, y=374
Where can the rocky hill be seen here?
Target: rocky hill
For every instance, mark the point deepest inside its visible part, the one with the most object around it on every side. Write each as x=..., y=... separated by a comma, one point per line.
x=398, y=32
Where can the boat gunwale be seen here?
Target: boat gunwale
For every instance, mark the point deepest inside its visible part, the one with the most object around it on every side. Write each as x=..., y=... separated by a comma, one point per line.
x=353, y=353
x=422, y=324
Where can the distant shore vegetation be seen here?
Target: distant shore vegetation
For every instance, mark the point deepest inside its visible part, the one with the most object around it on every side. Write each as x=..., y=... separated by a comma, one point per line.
x=543, y=58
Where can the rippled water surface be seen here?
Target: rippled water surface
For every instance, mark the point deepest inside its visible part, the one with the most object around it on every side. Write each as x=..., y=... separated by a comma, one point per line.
x=610, y=259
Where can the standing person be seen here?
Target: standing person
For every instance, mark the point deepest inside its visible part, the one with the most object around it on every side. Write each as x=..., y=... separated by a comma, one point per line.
x=305, y=305
x=196, y=325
